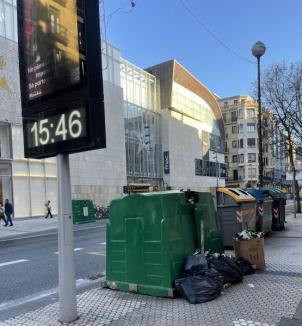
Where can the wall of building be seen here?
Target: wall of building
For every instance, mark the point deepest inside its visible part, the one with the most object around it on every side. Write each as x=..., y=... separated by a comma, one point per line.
x=182, y=138
x=101, y=174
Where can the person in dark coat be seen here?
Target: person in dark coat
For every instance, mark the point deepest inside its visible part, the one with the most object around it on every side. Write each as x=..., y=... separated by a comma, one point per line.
x=8, y=210
x=48, y=210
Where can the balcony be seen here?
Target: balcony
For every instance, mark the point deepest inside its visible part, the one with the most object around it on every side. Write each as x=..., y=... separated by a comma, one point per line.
x=61, y=2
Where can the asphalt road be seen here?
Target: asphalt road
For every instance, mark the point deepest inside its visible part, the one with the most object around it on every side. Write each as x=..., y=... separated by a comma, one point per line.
x=29, y=267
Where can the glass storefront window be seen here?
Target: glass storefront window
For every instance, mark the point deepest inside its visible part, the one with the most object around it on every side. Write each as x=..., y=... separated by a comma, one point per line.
x=8, y=20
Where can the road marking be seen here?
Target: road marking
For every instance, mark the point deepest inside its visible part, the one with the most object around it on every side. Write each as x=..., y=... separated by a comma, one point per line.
x=75, y=249
x=97, y=253
x=103, y=243
x=13, y=262
x=48, y=234
x=80, y=284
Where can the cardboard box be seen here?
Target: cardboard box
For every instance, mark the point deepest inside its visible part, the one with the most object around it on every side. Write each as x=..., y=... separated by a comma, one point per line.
x=252, y=250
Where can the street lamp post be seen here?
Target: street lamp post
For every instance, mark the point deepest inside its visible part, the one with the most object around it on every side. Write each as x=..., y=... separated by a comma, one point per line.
x=258, y=50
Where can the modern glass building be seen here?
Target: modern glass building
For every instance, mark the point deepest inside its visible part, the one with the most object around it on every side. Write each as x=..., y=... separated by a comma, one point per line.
x=142, y=124
x=192, y=130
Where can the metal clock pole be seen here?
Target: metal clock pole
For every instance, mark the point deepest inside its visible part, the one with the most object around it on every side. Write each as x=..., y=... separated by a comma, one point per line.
x=67, y=285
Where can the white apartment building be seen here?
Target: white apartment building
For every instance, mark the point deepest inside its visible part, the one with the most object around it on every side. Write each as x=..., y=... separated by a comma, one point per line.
x=240, y=115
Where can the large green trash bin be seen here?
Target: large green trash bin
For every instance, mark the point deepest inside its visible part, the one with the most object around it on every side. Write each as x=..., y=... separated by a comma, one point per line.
x=82, y=211
x=206, y=219
x=149, y=237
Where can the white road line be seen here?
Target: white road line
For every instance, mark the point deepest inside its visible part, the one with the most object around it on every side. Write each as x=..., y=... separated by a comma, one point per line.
x=103, y=243
x=48, y=234
x=75, y=249
x=13, y=262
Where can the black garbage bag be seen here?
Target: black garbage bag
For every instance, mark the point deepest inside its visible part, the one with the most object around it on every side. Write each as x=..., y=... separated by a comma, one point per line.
x=227, y=267
x=199, y=288
x=216, y=276
x=195, y=263
x=245, y=266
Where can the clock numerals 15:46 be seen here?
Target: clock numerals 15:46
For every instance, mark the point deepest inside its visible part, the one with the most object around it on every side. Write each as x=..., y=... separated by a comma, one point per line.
x=58, y=128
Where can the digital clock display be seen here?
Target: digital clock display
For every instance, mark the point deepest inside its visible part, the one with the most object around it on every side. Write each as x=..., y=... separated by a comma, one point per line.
x=57, y=128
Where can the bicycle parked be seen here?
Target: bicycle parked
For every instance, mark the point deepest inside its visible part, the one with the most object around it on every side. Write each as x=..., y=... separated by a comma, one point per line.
x=101, y=212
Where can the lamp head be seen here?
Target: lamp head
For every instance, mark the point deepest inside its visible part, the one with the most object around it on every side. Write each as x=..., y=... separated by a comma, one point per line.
x=258, y=49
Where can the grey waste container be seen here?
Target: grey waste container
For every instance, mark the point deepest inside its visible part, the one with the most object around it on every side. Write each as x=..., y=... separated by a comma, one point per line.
x=264, y=209
x=236, y=211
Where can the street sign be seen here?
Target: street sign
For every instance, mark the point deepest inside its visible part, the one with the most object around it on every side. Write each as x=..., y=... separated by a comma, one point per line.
x=60, y=76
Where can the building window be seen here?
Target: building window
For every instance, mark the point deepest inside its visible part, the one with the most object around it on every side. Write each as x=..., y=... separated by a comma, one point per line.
x=8, y=19
x=223, y=170
x=251, y=127
x=250, y=113
x=234, y=129
x=252, y=173
x=225, y=104
x=224, y=117
x=54, y=17
x=234, y=116
x=235, y=102
x=241, y=128
x=240, y=114
x=251, y=157
x=235, y=175
x=198, y=167
x=226, y=159
x=241, y=158
x=235, y=144
x=241, y=143
x=251, y=142
x=234, y=159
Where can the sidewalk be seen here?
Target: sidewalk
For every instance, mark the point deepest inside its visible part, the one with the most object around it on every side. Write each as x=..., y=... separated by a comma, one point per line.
x=261, y=299
x=37, y=226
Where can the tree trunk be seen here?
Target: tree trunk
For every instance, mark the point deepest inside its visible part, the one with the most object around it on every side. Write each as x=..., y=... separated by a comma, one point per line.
x=298, y=197
x=293, y=169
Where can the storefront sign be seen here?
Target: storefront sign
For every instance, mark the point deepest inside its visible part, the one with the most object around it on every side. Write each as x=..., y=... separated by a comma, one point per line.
x=166, y=162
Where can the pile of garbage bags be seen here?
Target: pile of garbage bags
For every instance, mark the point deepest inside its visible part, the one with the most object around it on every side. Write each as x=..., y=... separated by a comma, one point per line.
x=205, y=275
x=248, y=235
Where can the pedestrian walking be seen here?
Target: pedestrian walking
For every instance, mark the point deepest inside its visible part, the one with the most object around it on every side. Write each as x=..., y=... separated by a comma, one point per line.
x=48, y=209
x=2, y=216
x=8, y=210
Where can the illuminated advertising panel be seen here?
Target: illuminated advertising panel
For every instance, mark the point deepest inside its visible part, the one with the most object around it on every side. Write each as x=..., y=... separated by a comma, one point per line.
x=50, y=41
x=60, y=76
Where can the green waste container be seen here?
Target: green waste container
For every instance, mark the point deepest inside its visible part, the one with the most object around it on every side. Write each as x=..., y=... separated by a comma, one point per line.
x=149, y=237
x=82, y=211
x=236, y=211
x=278, y=210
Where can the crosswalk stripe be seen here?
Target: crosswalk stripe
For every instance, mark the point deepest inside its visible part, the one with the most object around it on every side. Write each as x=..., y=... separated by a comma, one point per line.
x=13, y=262
x=75, y=249
x=97, y=253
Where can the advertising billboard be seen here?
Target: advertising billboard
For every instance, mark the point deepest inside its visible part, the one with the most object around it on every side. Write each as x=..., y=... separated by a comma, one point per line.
x=60, y=76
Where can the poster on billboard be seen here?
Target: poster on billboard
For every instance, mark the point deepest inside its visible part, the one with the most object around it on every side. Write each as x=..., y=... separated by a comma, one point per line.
x=50, y=45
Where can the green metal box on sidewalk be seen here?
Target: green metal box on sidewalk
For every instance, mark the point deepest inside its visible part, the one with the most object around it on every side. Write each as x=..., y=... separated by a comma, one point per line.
x=149, y=237
x=82, y=211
